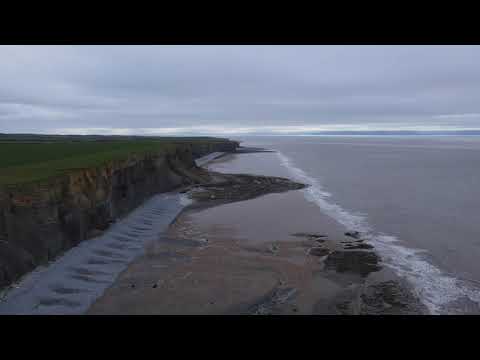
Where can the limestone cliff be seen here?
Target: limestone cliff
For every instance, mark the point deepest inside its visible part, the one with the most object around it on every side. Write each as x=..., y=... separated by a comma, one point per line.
x=39, y=221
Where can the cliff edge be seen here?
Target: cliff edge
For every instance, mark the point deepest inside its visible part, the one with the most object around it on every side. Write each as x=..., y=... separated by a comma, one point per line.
x=40, y=220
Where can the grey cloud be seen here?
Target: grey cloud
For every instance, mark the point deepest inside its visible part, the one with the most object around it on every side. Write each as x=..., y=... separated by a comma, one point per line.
x=47, y=88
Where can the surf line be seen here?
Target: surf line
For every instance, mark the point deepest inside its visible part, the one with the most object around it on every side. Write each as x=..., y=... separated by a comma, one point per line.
x=436, y=289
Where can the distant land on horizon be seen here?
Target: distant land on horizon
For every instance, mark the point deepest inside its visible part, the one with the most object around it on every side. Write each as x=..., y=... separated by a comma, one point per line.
x=399, y=132
x=44, y=136
x=372, y=133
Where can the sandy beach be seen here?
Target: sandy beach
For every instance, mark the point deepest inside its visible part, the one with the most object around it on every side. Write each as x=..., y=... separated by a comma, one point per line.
x=274, y=254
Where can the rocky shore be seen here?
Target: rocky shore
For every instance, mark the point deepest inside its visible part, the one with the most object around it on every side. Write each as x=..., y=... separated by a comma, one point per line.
x=225, y=188
x=200, y=269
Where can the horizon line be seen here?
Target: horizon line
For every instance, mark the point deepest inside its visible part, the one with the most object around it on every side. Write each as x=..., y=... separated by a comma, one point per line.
x=215, y=134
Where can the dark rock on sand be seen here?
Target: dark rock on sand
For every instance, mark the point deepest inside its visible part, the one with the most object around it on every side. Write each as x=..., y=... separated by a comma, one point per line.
x=223, y=188
x=310, y=235
x=353, y=234
x=358, y=262
x=273, y=248
x=389, y=298
x=342, y=303
x=358, y=246
x=319, y=251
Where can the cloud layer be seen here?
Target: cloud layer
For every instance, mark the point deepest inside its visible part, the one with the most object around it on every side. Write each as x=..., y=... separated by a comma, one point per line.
x=237, y=89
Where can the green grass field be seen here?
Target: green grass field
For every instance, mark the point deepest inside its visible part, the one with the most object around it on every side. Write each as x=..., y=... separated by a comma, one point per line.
x=27, y=161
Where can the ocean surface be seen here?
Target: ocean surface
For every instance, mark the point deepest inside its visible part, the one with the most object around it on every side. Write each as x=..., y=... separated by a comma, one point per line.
x=416, y=197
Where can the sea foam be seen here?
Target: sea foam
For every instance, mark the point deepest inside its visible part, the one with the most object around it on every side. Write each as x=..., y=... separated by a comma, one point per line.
x=442, y=293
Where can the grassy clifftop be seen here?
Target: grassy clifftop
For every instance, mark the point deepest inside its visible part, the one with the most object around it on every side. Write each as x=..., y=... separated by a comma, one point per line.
x=31, y=158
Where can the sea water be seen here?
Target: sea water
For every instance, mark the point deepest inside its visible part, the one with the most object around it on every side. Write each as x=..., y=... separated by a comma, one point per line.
x=416, y=198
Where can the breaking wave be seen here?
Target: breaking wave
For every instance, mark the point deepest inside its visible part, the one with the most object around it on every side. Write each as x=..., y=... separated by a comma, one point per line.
x=440, y=292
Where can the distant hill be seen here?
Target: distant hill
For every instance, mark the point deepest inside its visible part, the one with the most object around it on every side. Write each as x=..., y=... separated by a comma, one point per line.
x=66, y=138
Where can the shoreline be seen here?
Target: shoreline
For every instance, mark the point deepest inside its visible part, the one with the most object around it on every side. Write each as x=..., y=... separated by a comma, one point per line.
x=439, y=291
x=192, y=251
x=202, y=267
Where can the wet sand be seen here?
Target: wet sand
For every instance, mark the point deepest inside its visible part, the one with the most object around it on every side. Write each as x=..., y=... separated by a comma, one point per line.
x=274, y=254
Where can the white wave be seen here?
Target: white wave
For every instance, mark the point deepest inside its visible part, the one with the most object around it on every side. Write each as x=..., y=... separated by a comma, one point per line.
x=437, y=290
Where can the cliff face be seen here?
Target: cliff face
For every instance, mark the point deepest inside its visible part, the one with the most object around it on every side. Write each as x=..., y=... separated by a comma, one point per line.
x=40, y=221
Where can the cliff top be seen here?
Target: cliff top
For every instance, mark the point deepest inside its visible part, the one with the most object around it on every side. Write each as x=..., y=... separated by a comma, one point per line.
x=30, y=158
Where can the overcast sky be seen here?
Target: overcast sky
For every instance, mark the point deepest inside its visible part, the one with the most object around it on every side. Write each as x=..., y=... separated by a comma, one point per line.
x=237, y=89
